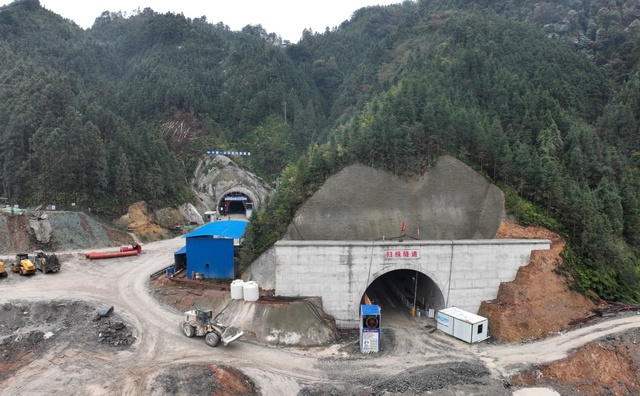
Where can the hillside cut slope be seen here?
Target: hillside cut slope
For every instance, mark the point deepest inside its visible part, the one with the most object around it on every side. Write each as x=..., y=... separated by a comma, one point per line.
x=59, y=231
x=539, y=301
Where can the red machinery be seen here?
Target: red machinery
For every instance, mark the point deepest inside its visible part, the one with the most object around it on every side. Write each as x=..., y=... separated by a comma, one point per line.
x=125, y=251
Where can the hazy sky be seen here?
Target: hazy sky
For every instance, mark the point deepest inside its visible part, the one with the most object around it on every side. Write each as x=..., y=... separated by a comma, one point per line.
x=287, y=18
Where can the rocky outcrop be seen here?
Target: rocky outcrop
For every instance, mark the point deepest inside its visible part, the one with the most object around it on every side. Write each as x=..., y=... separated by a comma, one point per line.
x=191, y=214
x=171, y=217
x=451, y=201
x=41, y=229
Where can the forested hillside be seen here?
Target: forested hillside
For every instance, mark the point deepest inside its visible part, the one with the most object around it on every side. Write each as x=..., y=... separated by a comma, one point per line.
x=541, y=97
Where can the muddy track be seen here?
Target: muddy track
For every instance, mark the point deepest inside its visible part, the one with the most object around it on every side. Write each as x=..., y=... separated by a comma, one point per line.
x=414, y=354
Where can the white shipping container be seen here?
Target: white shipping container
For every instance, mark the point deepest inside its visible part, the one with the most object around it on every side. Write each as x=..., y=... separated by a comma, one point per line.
x=463, y=325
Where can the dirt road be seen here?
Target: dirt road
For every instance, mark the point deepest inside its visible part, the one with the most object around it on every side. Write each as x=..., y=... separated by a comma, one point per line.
x=413, y=360
x=507, y=359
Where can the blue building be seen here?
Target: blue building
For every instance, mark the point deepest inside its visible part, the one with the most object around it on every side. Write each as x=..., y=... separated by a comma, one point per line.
x=210, y=249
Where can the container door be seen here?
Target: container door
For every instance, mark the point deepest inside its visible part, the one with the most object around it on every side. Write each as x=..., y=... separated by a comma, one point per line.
x=462, y=330
x=480, y=331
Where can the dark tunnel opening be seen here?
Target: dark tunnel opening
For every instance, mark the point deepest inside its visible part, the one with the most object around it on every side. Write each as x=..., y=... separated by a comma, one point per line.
x=403, y=293
x=235, y=203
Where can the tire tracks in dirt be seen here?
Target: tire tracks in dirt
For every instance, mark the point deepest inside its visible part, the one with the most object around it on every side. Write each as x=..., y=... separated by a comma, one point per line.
x=506, y=360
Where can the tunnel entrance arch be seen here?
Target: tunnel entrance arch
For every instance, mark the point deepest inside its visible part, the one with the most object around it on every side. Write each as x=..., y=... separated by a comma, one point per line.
x=466, y=272
x=237, y=201
x=403, y=290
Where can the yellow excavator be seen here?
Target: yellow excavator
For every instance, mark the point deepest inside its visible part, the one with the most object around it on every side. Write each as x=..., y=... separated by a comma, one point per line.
x=23, y=265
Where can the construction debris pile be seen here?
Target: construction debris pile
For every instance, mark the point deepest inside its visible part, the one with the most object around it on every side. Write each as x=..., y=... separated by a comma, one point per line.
x=203, y=379
x=114, y=334
x=110, y=332
x=28, y=330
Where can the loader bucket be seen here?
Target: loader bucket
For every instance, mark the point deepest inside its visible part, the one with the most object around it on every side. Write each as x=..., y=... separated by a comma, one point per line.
x=230, y=335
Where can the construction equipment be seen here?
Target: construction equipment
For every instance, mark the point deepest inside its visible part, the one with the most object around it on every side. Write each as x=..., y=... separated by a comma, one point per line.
x=23, y=265
x=199, y=322
x=3, y=273
x=46, y=263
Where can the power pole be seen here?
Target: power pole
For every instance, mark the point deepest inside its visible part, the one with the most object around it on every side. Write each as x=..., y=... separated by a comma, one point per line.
x=284, y=102
x=415, y=295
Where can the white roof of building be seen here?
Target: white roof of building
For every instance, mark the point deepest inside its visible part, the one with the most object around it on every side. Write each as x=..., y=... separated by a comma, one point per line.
x=463, y=315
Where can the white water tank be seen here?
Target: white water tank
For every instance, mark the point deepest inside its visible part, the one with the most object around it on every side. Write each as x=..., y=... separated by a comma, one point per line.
x=251, y=291
x=236, y=289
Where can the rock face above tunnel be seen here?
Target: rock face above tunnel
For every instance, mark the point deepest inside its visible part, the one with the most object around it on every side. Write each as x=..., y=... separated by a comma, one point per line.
x=451, y=201
x=218, y=175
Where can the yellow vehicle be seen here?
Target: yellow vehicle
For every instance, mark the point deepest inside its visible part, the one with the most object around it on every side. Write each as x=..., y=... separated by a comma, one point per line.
x=199, y=322
x=23, y=265
x=3, y=273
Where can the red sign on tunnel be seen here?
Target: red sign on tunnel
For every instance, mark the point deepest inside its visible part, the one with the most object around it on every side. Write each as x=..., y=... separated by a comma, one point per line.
x=402, y=254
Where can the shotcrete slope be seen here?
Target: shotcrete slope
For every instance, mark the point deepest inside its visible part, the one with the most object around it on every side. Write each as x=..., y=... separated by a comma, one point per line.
x=451, y=201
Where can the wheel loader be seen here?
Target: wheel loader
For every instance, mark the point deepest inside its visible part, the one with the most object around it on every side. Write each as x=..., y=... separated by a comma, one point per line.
x=199, y=322
x=3, y=273
x=23, y=265
x=46, y=263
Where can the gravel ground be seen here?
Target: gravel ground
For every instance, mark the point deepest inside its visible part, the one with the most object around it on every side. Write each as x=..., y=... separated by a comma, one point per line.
x=28, y=330
x=350, y=377
x=189, y=380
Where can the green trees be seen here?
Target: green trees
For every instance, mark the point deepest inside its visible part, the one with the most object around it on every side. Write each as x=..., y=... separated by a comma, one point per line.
x=122, y=182
x=123, y=111
x=272, y=147
x=68, y=164
x=97, y=104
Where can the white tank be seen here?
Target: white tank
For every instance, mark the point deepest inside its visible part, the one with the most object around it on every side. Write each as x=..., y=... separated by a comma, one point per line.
x=251, y=291
x=236, y=289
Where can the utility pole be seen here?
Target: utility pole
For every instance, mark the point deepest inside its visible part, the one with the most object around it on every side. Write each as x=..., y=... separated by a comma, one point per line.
x=284, y=102
x=415, y=295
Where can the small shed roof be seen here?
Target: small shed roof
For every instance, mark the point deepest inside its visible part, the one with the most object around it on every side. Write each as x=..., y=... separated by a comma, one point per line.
x=463, y=315
x=232, y=229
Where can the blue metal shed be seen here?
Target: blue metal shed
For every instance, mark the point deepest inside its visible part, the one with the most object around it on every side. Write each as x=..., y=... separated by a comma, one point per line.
x=210, y=249
x=180, y=259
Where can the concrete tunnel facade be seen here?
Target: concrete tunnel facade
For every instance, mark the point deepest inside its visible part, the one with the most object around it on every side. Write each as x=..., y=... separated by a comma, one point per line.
x=467, y=272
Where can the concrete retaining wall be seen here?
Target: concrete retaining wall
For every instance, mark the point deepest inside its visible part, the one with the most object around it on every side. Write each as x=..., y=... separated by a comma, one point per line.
x=466, y=271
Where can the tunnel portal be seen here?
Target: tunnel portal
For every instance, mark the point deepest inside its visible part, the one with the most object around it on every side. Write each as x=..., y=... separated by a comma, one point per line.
x=451, y=273
x=405, y=290
x=235, y=203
